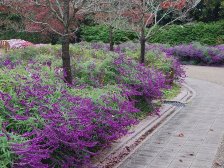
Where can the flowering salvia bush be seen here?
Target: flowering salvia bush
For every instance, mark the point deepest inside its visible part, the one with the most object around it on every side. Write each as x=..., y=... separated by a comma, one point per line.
x=156, y=57
x=45, y=123
x=58, y=128
x=188, y=53
x=199, y=54
x=18, y=43
x=140, y=78
x=220, y=47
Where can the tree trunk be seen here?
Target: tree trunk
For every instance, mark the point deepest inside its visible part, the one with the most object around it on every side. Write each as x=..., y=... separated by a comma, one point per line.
x=142, y=41
x=65, y=45
x=111, y=38
x=216, y=11
x=66, y=60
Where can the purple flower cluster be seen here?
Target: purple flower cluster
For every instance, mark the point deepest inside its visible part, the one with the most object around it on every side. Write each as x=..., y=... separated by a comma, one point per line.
x=140, y=79
x=175, y=71
x=220, y=47
x=210, y=55
x=60, y=129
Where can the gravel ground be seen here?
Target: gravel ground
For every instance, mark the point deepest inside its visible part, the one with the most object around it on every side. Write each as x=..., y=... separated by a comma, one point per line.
x=215, y=75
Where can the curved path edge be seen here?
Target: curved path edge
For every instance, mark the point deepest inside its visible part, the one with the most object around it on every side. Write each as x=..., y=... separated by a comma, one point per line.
x=190, y=138
x=122, y=148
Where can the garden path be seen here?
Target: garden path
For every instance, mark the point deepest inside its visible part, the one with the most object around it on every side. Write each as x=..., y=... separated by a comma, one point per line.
x=193, y=137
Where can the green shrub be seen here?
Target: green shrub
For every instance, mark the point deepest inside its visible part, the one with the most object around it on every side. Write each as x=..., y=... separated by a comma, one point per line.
x=205, y=33
x=6, y=155
x=171, y=93
x=31, y=37
x=101, y=33
x=154, y=58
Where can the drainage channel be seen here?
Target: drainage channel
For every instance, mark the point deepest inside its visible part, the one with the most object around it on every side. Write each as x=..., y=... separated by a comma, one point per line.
x=116, y=158
x=175, y=103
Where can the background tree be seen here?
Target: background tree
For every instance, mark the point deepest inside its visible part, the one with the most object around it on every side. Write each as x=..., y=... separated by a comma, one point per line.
x=9, y=21
x=144, y=16
x=57, y=16
x=110, y=14
x=208, y=10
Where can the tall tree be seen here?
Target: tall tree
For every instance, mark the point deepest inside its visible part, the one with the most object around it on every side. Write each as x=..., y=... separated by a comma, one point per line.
x=144, y=16
x=58, y=16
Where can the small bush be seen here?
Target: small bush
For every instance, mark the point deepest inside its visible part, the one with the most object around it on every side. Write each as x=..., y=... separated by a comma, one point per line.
x=199, y=54
x=100, y=33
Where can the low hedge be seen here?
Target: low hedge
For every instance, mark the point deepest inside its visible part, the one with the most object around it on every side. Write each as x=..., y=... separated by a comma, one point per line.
x=205, y=33
x=100, y=33
x=31, y=37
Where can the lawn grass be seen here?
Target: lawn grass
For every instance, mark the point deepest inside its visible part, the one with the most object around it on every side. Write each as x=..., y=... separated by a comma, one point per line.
x=170, y=94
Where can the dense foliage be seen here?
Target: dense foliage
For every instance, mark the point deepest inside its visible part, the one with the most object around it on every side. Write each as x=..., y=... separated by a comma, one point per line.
x=205, y=33
x=196, y=53
x=46, y=123
x=208, y=10
x=9, y=21
x=100, y=33
x=32, y=37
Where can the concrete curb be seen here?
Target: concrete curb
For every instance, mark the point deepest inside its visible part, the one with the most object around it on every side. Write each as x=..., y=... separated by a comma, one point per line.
x=123, y=147
x=192, y=92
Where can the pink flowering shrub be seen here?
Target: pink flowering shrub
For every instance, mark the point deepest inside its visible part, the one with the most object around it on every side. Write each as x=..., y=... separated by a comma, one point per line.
x=18, y=43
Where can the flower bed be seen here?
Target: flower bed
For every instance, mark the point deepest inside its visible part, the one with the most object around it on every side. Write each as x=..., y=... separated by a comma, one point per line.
x=45, y=123
x=193, y=53
x=197, y=54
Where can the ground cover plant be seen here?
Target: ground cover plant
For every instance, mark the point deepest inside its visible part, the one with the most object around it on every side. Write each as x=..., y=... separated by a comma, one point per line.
x=47, y=123
x=161, y=56
x=195, y=53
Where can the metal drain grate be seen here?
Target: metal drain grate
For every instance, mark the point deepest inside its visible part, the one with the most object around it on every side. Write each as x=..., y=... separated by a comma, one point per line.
x=175, y=103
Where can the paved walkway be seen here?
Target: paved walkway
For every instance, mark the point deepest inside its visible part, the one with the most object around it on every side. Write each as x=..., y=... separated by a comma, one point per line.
x=192, y=137
x=211, y=74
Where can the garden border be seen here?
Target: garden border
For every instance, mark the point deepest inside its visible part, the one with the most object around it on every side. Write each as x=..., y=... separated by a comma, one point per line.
x=123, y=147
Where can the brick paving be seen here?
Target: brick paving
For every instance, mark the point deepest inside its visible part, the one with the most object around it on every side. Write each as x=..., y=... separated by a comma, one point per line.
x=191, y=138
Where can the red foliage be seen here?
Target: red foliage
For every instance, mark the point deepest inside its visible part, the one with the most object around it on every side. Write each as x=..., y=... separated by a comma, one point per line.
x=136, y=15
x=3, y=8
x=41, y=18
x=173, y=4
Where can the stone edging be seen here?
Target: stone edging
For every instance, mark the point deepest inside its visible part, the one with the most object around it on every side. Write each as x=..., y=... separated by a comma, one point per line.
x=123, y=147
